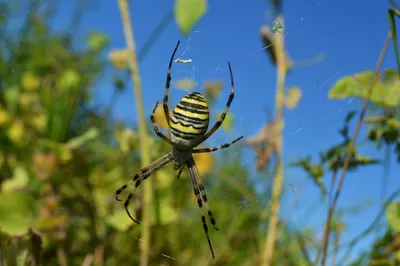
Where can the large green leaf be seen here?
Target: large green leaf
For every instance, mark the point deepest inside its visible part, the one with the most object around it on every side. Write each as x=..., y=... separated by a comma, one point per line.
x=17, y=212
x=188, y=12
x=386, y=93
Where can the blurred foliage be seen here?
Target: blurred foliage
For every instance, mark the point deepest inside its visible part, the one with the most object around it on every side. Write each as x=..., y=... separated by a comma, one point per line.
x=62, y=159
x=332, y=159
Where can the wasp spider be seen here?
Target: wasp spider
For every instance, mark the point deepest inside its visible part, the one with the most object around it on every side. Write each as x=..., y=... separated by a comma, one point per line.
x=188, y=128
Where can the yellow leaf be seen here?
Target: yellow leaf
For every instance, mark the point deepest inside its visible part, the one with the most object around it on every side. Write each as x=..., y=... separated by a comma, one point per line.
x=204, y=162
x=185, y=84
x=30, y=81
x=66, y=155
x=119, y=58
x=293, y=97
x=16, y=131
x=4, y=116
x=159, y=116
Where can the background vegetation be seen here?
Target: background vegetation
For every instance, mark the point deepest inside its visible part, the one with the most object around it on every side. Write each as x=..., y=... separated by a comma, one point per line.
x=62, y=158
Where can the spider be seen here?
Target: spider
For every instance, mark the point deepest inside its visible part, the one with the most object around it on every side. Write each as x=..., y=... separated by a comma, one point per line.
x=188, y=128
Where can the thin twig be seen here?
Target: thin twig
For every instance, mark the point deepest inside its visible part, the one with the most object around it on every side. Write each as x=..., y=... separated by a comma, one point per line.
x=144, y=147
x=351, y=147
x=281, y=63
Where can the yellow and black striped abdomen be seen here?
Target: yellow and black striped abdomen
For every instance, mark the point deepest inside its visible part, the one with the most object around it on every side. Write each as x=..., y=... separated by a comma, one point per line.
x=189, y=121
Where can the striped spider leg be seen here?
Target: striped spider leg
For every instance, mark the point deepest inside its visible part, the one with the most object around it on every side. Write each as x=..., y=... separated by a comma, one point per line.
x=187, y=129
x=142, y=175
x=168, y=84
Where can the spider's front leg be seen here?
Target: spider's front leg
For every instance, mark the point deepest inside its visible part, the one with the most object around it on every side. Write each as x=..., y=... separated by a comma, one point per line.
x=168, y=84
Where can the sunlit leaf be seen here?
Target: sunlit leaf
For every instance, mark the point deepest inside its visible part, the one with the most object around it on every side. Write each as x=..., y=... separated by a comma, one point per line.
x=119, y=220
x=4, y=116
x=385, y=93
x=16, y=131
x=69, y=78
x=188, y=12
x=16, y=212
x=185, y=84
x=19, y=179
x=119, y=58
x=97, y=41
x=393, y=215
x=65, y=154
x=40, y=121
x=30, y=81
x=293, y=97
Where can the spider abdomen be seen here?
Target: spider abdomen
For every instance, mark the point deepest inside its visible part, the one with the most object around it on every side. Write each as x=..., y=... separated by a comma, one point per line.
x=189, y=121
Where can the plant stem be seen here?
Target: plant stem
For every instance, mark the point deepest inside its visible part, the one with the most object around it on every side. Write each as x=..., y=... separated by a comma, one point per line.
x=144, y=148
x=332, y=206
x=278, y=177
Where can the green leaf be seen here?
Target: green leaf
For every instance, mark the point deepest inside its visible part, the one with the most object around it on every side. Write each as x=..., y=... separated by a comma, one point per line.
x=386, y=93
x=70, y=78
x=188, y=12
x=97, y=41
x=17, y=212
x=19, y=180
x=393, y=215
x=119, y=220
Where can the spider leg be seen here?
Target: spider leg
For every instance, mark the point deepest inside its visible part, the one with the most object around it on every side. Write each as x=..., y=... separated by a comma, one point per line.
x=223, y=146
x=223, y=115
x=192, y=173
x=180, y=172
x=158, y=132
x=168, y=84
x=142, y=175
x=200, y=186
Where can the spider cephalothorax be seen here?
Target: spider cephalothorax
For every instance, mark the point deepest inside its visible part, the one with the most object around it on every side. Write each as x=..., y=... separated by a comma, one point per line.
x=188, y=128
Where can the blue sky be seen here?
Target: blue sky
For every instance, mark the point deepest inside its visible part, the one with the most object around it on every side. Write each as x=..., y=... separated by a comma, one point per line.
x=349, y=33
